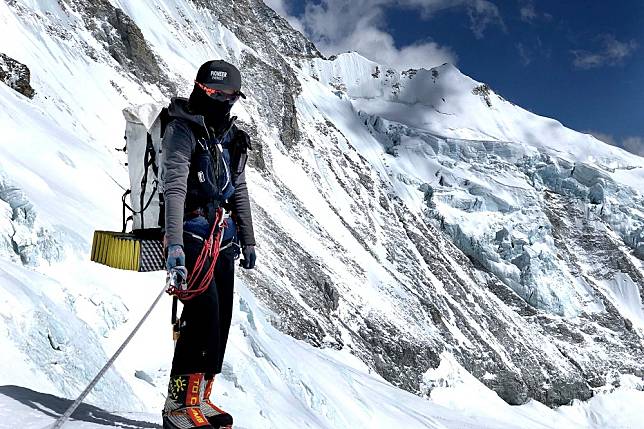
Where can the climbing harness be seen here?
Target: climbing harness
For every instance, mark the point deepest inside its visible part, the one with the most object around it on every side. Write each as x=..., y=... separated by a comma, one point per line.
x=204, y=270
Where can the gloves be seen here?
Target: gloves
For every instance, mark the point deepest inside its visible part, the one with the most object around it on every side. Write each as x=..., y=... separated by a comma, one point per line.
x=176, y=257
x=249, y=257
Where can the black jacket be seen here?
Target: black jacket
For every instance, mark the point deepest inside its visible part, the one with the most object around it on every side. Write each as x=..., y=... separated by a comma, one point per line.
x=178, y=146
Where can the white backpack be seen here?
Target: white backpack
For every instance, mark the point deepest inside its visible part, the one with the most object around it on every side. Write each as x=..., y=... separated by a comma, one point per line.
x=140, y=249
x=143, y=134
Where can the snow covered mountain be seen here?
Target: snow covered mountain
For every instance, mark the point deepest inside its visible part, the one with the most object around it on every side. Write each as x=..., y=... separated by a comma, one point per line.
x=415, y=229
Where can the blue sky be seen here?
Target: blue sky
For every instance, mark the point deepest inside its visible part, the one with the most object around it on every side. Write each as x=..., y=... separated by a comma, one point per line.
x=579, y=61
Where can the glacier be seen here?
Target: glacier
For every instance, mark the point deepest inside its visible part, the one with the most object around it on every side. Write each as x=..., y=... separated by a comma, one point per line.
x=429, y=253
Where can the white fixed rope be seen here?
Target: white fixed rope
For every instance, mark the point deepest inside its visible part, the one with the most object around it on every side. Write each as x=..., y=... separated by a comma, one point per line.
x=63, y=419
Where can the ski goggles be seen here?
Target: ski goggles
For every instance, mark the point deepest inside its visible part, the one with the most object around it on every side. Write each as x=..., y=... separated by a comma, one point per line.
x=220, y=94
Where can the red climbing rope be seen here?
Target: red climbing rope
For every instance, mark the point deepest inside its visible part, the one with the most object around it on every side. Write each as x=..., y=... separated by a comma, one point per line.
x=201, y=276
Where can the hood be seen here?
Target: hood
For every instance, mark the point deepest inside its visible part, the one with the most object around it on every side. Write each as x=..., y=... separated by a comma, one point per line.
x=179, y=109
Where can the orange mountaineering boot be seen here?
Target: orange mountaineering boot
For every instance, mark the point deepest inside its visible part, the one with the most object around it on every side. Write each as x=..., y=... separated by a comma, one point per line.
x=182, y=408
x=218, y=418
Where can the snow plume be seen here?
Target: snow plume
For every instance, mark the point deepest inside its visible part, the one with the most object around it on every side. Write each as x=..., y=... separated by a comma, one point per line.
x=611, y=52
x=633, y=144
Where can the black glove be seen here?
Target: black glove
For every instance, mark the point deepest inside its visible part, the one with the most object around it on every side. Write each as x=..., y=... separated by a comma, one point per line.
x=249, y=257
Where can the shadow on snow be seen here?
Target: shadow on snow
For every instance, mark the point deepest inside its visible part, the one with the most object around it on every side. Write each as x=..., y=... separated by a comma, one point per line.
x=54, y=407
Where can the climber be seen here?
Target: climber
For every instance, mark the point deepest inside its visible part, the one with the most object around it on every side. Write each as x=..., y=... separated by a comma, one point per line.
x=204, y=156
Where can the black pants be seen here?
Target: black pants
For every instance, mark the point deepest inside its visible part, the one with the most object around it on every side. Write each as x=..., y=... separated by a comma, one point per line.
x=205, y=320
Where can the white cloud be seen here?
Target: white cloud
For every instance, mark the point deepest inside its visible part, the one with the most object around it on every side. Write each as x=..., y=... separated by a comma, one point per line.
x=358, y=25
x=379, y=46
x=283, y=9
x=533, y=50
x=337, y=26
x=483, y=14
x=277, y=5
x=528, y=12
x=525, y=53
x=611, y=52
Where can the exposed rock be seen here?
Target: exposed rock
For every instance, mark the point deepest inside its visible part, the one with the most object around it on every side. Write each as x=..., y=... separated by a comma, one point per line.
x=124, y=41
x=298, y=268
x=484, y=92
x=276, y=37
x=16, y=75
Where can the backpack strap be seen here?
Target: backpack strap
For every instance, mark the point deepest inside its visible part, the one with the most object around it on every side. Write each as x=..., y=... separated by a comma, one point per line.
x=241, y=138
x=164, y=117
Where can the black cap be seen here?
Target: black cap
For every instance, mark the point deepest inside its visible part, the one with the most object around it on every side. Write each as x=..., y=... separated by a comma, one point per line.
x=219, y=74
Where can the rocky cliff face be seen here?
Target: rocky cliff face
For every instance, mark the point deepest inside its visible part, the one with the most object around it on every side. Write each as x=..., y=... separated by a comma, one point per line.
x=16, y=76
x=398, y=233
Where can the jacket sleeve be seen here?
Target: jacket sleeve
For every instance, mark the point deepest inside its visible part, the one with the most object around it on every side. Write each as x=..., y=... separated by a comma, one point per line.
x=240, y=201
x=177, y=147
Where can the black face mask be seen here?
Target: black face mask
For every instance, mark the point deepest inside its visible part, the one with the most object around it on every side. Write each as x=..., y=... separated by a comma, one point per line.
x=215, y=112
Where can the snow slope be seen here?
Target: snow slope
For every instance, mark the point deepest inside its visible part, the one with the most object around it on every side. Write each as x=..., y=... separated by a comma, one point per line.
x=364, y=281
x=268, y=382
